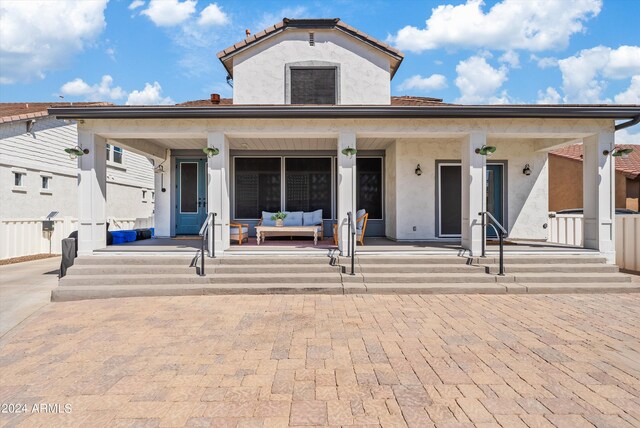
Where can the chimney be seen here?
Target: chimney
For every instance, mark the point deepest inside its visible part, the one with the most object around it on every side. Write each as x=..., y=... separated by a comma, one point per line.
x=247, y=32
x=215, y=98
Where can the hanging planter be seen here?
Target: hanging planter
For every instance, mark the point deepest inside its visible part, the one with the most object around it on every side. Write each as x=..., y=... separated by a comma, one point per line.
x=349, y=152
x=211, y=151
x=76, y=152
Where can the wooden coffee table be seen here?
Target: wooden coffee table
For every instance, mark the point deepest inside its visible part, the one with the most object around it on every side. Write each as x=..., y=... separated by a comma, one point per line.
x=264, y=231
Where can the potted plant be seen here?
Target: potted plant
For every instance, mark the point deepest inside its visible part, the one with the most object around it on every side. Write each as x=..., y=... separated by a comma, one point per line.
x=279, y=217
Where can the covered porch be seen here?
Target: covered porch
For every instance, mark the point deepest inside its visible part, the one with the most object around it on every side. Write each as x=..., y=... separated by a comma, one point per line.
x=418, y=159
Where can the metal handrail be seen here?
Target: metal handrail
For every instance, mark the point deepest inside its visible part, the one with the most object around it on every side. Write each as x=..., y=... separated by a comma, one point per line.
x=351, y=241
x=204, y=232
x=500, y=233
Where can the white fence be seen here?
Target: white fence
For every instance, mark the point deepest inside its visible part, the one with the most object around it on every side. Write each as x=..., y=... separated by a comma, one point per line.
x=24, y=237
x=567, y=229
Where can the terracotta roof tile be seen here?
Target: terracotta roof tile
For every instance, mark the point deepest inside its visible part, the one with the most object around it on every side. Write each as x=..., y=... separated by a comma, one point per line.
x=320, y=23
x=11, y=112
x=404, y=100
x=630, y=166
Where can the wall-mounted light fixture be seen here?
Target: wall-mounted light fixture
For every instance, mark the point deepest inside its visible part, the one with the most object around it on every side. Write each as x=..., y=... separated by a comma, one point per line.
x=349, y=152
x=76, y=152
x=211, y=151
x=526, y=170
x=418, y=170
x=486, y=150
x=618, y=152
x=160, y=170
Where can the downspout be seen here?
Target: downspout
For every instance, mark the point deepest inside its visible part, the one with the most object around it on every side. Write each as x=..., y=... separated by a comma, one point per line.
x=627, y=124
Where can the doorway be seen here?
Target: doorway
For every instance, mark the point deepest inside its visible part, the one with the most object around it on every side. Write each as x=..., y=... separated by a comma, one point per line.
x=449, y=197
x=191, y=195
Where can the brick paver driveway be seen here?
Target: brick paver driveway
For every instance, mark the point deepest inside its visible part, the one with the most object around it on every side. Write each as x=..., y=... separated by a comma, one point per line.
x=563, y=360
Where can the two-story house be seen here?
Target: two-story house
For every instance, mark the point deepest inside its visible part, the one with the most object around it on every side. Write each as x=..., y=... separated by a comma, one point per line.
x=312, y=125
x=39, y=178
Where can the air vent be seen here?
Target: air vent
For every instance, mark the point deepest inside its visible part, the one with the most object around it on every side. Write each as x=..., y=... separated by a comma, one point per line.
x=312, y=41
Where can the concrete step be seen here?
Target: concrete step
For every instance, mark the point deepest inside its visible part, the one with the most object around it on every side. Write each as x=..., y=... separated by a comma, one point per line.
x=209, y=269
x=540, y=259
x=553, y=268
x=403, y=260
x=186, y=260
x=550, y=278
x=69, y=293
x=132, y=279
x=416, y=268
x=422, y=278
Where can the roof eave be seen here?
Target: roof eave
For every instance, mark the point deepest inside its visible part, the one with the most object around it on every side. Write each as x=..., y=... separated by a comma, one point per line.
x=350, y=112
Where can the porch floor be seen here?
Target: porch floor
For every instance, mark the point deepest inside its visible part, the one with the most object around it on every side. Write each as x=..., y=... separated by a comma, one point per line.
x=372, y=246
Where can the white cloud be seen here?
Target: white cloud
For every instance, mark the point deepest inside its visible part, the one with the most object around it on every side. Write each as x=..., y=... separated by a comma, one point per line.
x=270, y=19
x=584, y=75
x=105, y=91
x=550, y=96
x=111, y=53
x=478, y=82
x=102, y=91
x=168, y=13
x=512, y=58
x=545, y=62
x=213, y=15
x=625, y=136
x=510, y=24
x=632, y=94
x=431, y=83
x=39, y=36
x=150, y=95
x=136, y=4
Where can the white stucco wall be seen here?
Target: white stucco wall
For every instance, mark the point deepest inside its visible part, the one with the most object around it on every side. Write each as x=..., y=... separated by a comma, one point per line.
x=415, y=196
x=259, y=72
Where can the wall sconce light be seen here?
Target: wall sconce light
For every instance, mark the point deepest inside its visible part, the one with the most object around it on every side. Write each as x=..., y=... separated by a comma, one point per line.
x=76, y=152
x=486, y=150
x=418, y=170
x=526, y=170
x=349, y=152
x=211, y=151
x=618, y=152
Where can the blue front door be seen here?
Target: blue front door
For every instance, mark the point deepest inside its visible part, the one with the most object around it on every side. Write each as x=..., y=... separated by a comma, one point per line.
x=191, y=195
x=495, y=185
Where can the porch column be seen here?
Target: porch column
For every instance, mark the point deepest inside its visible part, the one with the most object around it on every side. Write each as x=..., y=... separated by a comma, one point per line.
x=473, y=191
x=162, y=209
x=218, y=191
x=92, y=193
x=598, y=175
x=346, y=188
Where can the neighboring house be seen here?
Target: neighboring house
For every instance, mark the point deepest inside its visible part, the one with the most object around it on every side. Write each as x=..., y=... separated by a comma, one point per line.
x=308, y=92
x=38, y=177
x=565, y=178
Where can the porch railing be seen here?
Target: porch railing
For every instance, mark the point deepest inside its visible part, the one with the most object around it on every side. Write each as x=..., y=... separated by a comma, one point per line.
x=204, y=233
x=500, y=232
x=351, y=241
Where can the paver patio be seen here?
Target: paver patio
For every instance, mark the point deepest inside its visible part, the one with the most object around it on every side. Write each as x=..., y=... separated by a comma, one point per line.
x=563, y=360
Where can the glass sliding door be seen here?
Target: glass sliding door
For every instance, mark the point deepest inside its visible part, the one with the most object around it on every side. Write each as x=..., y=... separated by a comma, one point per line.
x=308, y=185
x=257, y=186
x=450, y=200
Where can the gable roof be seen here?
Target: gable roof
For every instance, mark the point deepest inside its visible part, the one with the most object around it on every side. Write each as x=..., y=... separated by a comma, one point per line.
x=13, y=112
x=227, y=54
x=629, y=167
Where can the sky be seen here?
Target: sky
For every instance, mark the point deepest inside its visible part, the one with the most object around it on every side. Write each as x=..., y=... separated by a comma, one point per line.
x=467, y=51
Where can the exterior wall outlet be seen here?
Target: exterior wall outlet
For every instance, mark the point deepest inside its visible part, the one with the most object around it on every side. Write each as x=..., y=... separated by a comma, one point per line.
x=415, y=228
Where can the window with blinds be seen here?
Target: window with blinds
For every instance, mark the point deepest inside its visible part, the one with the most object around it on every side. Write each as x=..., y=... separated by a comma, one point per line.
x=313, y=85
